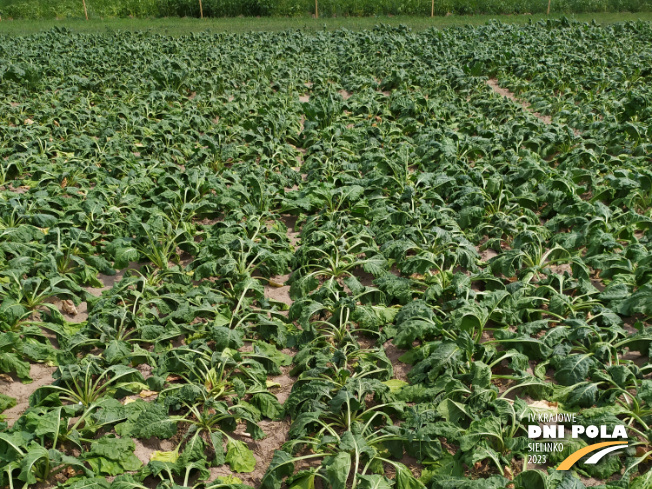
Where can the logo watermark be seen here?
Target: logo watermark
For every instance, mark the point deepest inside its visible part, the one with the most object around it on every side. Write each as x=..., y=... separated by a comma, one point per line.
x=556, y=427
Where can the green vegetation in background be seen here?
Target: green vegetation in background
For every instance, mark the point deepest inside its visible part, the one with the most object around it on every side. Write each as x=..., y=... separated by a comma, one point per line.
x=179, y=27
x=50, y=9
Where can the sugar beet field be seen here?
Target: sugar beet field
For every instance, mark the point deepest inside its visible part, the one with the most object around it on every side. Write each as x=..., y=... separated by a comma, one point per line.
x=326, y=260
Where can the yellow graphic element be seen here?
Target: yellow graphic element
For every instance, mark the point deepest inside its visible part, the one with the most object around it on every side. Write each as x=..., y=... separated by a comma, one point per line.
x=574, y=457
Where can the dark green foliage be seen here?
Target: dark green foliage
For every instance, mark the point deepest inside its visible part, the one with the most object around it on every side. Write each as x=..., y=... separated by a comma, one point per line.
x=350, y=221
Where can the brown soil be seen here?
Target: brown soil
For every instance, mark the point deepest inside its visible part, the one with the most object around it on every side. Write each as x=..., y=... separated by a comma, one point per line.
x=401, y=369
x=41, y=375
x=345, y=95
x=145, y=448
x=51, y=336
x=628, y=323
x=493, y=84
x=18, y=190
x=281, y=294
x=597, y=283
x=410, y=462
x=286, y=382
x=72, y=313
x=488, y=254
x=145, y=370
x=591, y=482
x=365, y=278
x=304, y=98
x=293, y=230
x=561, y=268
x=636, y=357
x=110, y=280
x=276, y=432
x=209, y=222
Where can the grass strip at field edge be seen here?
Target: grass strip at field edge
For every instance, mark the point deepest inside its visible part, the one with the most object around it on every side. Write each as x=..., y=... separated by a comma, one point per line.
x=182, y=26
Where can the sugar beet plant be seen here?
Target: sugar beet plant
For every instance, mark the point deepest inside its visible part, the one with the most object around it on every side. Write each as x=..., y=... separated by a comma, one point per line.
x=324, y=260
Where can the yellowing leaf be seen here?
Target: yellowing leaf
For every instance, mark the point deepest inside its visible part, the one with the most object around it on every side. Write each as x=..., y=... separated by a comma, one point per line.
x=395, y=385
x=159, y=456
x=229, y=352
x=229, y=479
x=239, y=457
x=306, y=482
